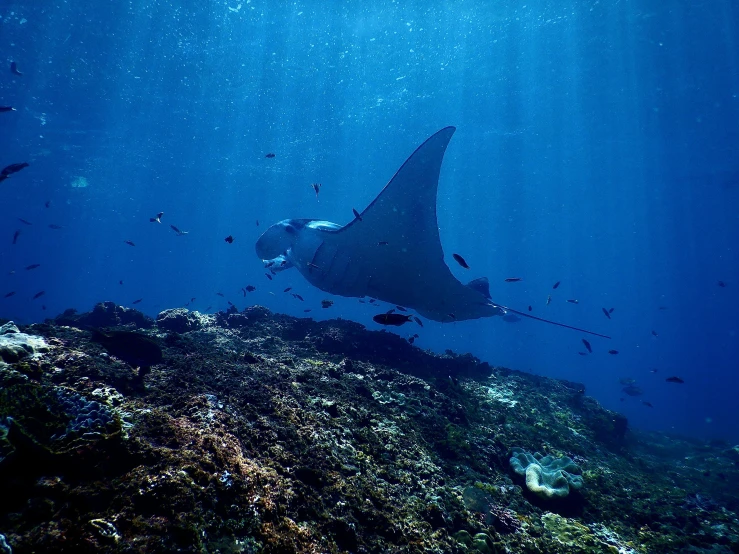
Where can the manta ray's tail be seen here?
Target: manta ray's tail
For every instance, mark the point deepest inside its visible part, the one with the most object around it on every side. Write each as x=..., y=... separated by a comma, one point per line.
x=524, y=314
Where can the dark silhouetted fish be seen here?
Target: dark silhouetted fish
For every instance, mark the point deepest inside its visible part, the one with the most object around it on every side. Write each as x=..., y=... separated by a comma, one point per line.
x=137, y=301
x=220, y=294
x=157, y=218
x=583, y=353
x=647, y=404
x=47, y=204
x=605, y=312
x=269, y=155
x=298, y=297
x=133, y=348
x=674, y=380
x=573, y=301
x=614, y=352
x=317, y=188
x=9, y=294
x=268, y=276
x=610, y=311
x=24, y=221
x=14, y=69
x=587, y=345
x=356, y=214
x=327, y=303
x=632, y=390
x=654, y=333
x=55, y=226
x=460, y=260
x=307, y=310
x=722, y=284
x=250, y=288
x=530, y=308
x=33, y=266
x=7, y=109
x=129, y=243
x=176, y=230
x=401, y=308
x=12, y=168
x=391, y=318
x=16, y=235
x=555, y=285
x=229, y=239
x=382, y=243
x=288, y=289
x=39, y=294
x=257, y=223
x=513, y=279
x=417, y=320
x=120, y=282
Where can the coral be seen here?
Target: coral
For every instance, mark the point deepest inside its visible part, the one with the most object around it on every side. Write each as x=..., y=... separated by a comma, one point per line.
x=547, y=477
x=15, y=346
x=178, y=320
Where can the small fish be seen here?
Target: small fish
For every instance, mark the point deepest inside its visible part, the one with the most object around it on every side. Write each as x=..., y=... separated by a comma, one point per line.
x=573, y=301
x=55, y=226
x=9, y=294
x=327, y=303
x=610, y=311
x=647, y=404
x=587, y=346
x=209, y=308
x=654, y=370
x=230, y=303
x=33, y=266
x=513, y=279
x=269, y=263
x=722, y=284
x=176, y=230
x=411, y=339
x=16, y=235
x=136, y=349
x=674, y=380
x=417, y=320
x=43, y=307
x=583, y=353
x=460, y=260
x=12, y=168
x=530, y=308
x=219, y=294
x=24, y=221
x=401, y=308
x=627, y=381
x=47, y=204
x=268, y=276
x=297, y=296
x=257, y=223
x=654, y=333
x=356, y=214
x=391, y=318
x=613, y=352
x=555, y=285
x=269, y=155
x=120, y=282
x=7, y=109
x=250, y=288
x=288, y=289
x=372, y=300
x=306, y=310
x=157, y=218
x=382, y=243
x=14, y=69
x=632, y=390
x=605, y=312
x=451, y=315
x=317, y=188
x=229, y=239
x=137, y=301
x=243, y=291
x=192, y=299
x=549, y=299
x=39, y=294
x=129, y=243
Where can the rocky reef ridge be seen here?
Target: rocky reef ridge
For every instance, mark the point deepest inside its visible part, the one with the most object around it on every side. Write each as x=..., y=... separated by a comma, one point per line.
x=260, y=432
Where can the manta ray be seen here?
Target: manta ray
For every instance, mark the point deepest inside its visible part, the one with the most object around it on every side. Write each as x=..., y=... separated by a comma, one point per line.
x=391, y=251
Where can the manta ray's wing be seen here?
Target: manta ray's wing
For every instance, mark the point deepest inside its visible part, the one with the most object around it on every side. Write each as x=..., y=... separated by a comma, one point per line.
x=393, y=251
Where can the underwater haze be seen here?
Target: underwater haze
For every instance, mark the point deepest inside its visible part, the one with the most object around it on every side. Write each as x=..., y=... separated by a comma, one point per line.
x=597, y=145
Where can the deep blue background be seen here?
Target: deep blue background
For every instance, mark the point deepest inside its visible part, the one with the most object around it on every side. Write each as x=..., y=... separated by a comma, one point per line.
x=597, y=145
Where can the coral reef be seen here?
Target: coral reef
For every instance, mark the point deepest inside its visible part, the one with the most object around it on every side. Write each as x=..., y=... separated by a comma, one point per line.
x=264, y=433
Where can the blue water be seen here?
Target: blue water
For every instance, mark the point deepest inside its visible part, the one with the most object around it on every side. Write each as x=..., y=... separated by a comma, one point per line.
x=597, y=145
